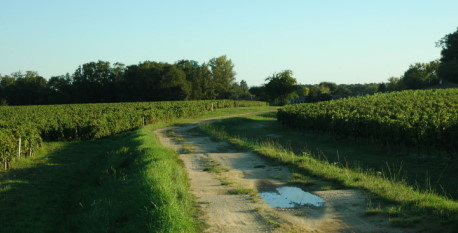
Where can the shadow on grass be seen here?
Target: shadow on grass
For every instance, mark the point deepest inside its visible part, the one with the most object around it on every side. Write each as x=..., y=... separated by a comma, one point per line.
x=437, y=174
x=90, y=186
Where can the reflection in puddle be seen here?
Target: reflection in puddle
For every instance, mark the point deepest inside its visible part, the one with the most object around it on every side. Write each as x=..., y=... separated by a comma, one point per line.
x=290, y=197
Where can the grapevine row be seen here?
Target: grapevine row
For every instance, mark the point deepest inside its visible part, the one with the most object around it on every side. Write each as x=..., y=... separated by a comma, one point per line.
x=24, y=128
x=420, y=119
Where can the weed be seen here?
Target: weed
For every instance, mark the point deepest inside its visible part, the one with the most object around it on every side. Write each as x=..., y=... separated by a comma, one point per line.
x=373, y=211
x=212, y=166
x=226, y=181
x=187, y=149
x=242, y=191
x=300, y=179
x=179, y=139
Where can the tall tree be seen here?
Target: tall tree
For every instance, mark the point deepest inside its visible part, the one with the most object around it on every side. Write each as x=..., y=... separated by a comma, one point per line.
x=223, y=75
x=421, y=75
x=319, y=93
x=141, y=82
x=194, y=76
x=60, y=90
x=244, y=85
x=448, y=68
x=280, y=87
x=95, y=82
x=25, y=89
x=173, y=84
x=332, y=86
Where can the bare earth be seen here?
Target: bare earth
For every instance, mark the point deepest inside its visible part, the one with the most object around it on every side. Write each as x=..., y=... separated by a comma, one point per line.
x=222, y=212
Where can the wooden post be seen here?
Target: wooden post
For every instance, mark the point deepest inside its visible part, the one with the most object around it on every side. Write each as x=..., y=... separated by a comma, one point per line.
x=19, y=149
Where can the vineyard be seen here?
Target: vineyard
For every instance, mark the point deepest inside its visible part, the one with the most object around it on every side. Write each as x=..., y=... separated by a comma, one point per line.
x=24, y=128
x=421, y=119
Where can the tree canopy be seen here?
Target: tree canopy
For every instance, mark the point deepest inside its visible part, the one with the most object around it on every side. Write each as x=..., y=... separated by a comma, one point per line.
x=100, y=81
x=280, y=87
x=448, y=68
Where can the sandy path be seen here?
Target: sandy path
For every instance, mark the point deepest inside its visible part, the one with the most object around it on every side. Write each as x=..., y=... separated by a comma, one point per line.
x=222, y=212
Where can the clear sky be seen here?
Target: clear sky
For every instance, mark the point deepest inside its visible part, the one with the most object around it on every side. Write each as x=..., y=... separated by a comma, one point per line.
x=342, y=41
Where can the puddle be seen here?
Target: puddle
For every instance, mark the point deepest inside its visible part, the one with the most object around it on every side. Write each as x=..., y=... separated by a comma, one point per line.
x=290, y=197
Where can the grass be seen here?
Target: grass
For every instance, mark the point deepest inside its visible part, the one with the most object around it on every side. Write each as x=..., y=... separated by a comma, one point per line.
x=226, y=181
x=401, y=201
x=426, y=173
x=212, y=166
x=122, y=183
x=117, y=184
x=300, y=180
x=242, y=191
x=374, y=211
x=188, y=148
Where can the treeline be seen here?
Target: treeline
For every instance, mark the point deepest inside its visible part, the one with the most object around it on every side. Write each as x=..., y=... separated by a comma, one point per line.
x=438, y=73
x=281, y=88
x=102, y=82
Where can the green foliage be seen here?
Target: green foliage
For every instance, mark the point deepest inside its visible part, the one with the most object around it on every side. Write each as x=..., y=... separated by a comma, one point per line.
x=449, y=44
x=28, y=88
x=102, y=82
x=88, y=121
x=448, y=69
x=122, y=183
x=421, y=75
x=223, y=75
x=280, y=87
x=319, y=93
x=419, y=119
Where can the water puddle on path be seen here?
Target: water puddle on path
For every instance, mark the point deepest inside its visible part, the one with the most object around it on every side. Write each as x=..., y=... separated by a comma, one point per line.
x=290, y=197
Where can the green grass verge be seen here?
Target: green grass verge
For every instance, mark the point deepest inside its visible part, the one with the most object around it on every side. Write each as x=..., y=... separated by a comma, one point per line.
x=435, y=210
x=122, y=183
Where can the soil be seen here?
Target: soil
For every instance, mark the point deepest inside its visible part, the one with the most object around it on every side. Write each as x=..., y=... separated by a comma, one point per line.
x=235, y=170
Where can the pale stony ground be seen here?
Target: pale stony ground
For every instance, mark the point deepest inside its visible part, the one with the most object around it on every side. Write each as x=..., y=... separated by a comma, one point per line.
x=222, y=212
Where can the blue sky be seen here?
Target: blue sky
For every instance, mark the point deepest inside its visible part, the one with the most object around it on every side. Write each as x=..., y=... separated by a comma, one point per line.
x=339, y=41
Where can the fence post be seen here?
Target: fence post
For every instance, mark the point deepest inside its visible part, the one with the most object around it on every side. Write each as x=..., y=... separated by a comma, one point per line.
x=19, y=149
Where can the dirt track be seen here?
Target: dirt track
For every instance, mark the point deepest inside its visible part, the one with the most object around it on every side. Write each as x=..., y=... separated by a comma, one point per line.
x=222, y=212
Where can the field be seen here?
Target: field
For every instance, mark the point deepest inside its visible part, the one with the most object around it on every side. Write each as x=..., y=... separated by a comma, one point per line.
x=105, y=168
x=125, y=182
x=24, y=128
